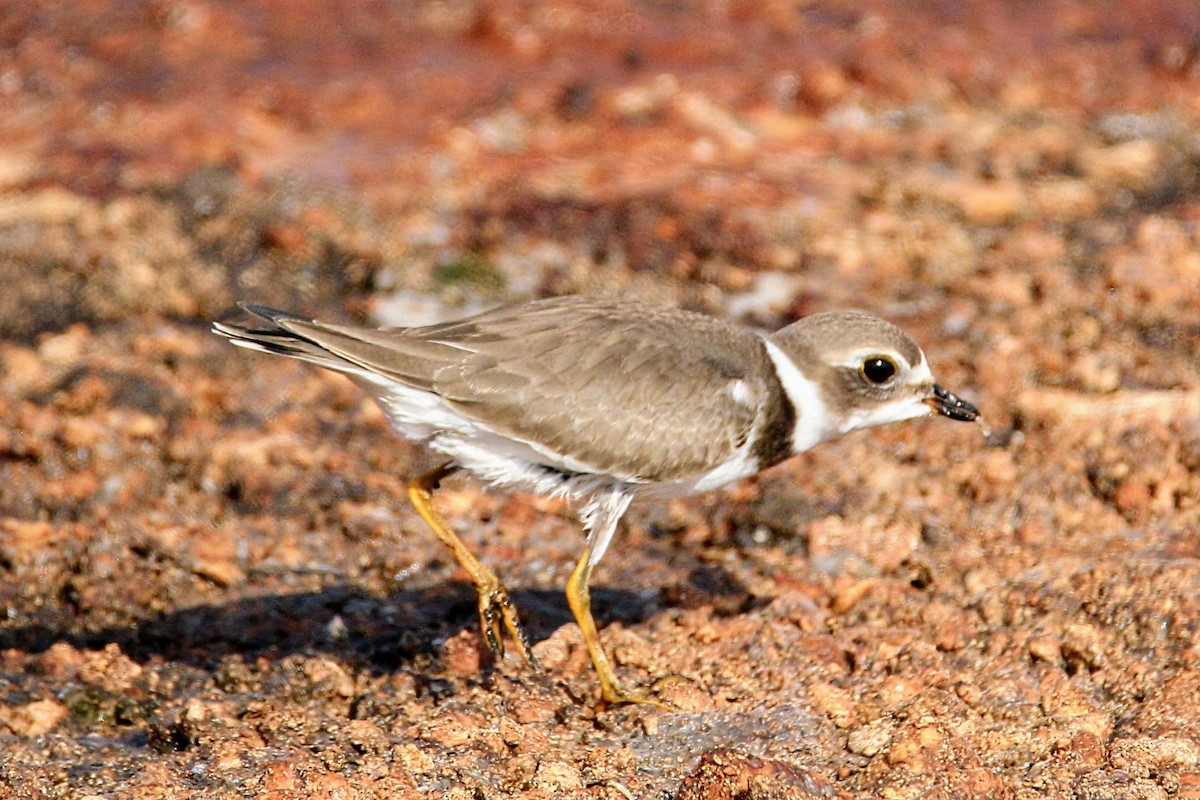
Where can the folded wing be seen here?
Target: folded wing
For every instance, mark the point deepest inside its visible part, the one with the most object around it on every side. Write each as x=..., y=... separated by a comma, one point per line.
x=559, y=374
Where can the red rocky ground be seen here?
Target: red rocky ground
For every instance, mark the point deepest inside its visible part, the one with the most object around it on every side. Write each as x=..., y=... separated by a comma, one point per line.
x=213, y=587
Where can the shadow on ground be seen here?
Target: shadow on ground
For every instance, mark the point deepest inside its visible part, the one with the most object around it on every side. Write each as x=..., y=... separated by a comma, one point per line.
x=380, y=633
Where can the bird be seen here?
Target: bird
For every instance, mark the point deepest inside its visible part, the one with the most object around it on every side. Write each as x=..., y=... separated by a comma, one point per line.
x=603, y=401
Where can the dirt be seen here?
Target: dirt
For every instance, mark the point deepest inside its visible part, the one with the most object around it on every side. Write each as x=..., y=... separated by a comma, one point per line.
x=214, y=588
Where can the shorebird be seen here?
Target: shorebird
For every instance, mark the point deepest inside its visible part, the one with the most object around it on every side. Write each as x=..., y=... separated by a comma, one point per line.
x=605, y=401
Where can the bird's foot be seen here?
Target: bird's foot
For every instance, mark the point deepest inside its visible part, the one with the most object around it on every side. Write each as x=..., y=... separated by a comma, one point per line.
x=497, y=616
x=613, y=693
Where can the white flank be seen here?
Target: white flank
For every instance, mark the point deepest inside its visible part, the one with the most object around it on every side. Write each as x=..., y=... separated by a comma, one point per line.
x=495, y=458
x=742, y=464
x=600, y=517
x=739, y=390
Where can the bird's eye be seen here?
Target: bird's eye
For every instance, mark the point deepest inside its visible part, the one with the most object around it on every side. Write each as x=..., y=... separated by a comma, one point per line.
x=879, y=369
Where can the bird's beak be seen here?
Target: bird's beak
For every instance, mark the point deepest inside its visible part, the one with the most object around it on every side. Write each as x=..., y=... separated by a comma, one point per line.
x=946, y=404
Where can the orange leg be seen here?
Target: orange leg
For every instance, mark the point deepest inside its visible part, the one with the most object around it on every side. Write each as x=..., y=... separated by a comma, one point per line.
x=497, y=613
x=579, y=597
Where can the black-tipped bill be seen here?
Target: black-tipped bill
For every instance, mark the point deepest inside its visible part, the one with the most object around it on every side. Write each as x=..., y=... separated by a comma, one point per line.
x=946, y=404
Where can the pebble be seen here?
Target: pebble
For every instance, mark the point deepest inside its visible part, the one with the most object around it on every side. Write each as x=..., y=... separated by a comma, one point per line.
x=33, y=719
x=1045, y=648
x=836, y=703
x=462, y=653
x=558, y=776
x=1129, y=164
x=871, y=739
x=726, y=773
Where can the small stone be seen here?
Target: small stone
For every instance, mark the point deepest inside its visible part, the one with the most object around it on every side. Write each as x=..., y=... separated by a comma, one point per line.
x=992, y=203
x=1189, y=786
x=227, y=758
x=1130, y=164
x=195, y=711
x=34, y=719
x=511, y=733
x=366, y=736
x=451, y=730
x=914, y=746
x=950, y=625
x=1085, y=749
x=1155, y=752
x=109, y=668
x=969, y=693
x=462, y=653
x=1116, y=784
x=822, y=83
x=835, y=703
x=1065, y=199
x=61, y=660
x=558, y=776
x=684, y=695
x=1063, y=699
x=1132, y=495
x=1081, y=643
x=410, y=758
x=142, y=426
x=82, y=433
x=897, y=690
x=999, y=466
x=1045, y=648
x=608, y=764
x=216, y=565
x=330, y=675
x=725, y=774
x=1035, y=531
x=850, y=596
x=871, y=739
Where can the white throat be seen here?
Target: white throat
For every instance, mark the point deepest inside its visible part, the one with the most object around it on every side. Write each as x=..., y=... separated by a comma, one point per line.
x=896, y=411
x=813, y=421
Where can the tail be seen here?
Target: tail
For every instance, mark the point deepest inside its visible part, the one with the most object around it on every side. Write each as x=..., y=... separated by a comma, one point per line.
x=278, y=339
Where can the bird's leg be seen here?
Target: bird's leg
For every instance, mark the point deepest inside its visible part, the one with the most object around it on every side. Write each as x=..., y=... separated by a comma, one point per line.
x=601, y=521
x=496, y=611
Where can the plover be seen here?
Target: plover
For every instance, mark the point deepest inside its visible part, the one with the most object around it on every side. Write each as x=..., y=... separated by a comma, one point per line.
x=605, y=401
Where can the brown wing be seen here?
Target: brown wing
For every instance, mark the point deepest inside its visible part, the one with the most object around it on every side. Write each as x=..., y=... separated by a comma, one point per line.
x=559, y=374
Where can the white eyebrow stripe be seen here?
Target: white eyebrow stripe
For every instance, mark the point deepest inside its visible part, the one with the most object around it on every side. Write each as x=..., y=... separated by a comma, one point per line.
x=921, y=372
x=856, y=358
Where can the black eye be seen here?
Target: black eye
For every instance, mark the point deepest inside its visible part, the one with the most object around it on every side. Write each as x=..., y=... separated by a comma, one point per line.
x=879, y=369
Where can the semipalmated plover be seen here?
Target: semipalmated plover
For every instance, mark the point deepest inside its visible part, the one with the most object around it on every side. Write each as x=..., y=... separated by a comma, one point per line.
x=605, y=401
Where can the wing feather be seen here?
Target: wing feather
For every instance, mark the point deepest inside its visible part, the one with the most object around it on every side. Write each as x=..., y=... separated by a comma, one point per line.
x=636, y=390
x=563, y=378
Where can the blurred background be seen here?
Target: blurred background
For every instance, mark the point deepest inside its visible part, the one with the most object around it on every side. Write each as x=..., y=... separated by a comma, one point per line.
x=210, y=581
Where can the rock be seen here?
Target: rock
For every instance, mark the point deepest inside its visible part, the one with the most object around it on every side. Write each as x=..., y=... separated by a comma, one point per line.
x=33, y=719
x=557, y=776
x=731, y=775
